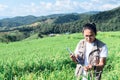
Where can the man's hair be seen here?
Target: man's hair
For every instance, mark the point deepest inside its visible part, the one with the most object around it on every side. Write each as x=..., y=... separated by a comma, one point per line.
x=90, y=26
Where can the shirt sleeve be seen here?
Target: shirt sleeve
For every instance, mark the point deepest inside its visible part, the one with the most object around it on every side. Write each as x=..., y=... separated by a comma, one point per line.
x=104, y=52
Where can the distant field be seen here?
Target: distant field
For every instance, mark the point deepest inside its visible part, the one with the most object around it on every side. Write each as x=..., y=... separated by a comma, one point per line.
x=47, y=58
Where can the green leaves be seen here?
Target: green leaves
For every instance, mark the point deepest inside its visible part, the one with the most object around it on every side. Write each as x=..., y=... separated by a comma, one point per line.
x=47, y=58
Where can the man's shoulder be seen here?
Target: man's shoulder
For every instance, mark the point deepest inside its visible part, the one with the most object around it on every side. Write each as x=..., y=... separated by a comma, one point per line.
x=100, y=43
x=82, y=41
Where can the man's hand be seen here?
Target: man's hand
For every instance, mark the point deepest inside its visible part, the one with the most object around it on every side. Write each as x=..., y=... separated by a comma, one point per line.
x=101, y=63
x=86, y=68
x=90, y=66
x=72, y=56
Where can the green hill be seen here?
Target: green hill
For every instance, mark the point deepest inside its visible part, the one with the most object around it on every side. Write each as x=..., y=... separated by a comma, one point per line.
x=17, y=21
x=106, y=15
x=107, y=20
x=24, y=20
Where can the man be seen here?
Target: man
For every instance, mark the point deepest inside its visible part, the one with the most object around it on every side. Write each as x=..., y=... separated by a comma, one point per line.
x=90, y=54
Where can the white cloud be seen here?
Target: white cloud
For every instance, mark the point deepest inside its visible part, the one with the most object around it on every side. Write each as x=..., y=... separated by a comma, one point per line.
x=99, y=5
x=32, y=8
x=87, y=6
x=103, y=5
x=45, y=8
x=3, y=7
x=96, y=1
x=60, y=6
x=107, y=7
x=64, y=4
x=106, y=1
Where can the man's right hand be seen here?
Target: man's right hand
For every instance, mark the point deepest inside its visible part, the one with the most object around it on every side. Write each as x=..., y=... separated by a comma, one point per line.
x=72, y=56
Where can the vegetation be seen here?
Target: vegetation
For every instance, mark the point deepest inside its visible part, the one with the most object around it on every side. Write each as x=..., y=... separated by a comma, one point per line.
x=107, y=20
x=47, y=58
x=57, y=24
x=67, y=18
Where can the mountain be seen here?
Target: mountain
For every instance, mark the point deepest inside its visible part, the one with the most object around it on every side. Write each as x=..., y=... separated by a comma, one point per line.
x=24, y=20
x=67, y=18
x=98, y=17
x=107, y=20
x=2, y=17
x=106, y=15
x=17, y=21
x=92, y=12
x=57, y=24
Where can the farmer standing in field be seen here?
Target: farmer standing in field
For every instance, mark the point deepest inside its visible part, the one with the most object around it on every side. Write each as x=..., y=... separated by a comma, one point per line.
x=90, y=54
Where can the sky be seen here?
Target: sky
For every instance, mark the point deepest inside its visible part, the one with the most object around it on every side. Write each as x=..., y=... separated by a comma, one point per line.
x=12, y=8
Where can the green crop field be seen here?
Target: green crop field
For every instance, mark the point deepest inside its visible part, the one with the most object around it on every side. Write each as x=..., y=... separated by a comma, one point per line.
x=48, y=59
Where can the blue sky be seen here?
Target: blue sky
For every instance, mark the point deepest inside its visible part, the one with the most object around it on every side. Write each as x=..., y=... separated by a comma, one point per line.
x=12, y=8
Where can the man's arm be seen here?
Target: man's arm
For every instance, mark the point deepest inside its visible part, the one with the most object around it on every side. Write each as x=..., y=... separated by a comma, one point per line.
x=101, y=64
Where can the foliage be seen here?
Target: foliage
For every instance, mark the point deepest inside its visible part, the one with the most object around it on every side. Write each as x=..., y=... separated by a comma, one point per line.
x=67, y=18
x=47, y=58
x=13, y=36
x=107, y=20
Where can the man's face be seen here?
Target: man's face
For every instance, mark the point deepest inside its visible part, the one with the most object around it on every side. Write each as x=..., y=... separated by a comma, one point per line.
x=89, y=35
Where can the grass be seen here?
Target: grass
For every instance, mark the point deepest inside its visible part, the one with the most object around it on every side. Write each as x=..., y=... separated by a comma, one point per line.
x=48, y=59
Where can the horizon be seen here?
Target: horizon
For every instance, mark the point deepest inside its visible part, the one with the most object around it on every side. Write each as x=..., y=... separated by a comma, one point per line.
x=3, y=17
x=13, y=8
